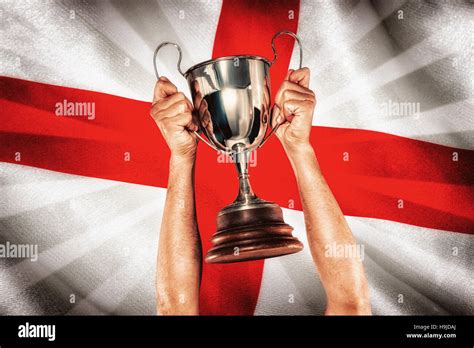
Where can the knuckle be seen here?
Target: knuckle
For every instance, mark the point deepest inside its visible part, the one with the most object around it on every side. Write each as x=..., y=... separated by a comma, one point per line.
x=188, y=117
x=154, y=111
x=165, y=122
x=157, y=104
x=160, y=84
x=160, y=120
x=286, y=84
x=183, y=105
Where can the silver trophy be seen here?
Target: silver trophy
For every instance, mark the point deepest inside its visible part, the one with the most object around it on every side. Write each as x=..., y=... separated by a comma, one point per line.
x=231, y=97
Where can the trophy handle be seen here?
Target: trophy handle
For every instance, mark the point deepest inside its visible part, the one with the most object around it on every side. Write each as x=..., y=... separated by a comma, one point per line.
x=275, y=56
x=298, y=41
x=178, y=65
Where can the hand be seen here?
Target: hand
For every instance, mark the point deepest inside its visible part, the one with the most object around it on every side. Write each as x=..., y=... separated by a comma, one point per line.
x=293, y=109
x=172, y=112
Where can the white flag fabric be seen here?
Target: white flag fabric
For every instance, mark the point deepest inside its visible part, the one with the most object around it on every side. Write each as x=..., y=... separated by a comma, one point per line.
x=400, y=68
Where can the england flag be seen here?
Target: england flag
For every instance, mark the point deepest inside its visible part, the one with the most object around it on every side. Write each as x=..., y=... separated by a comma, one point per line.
x=84, y=169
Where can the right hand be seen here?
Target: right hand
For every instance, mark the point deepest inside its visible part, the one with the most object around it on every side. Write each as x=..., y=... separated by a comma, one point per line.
x=172, y=112
x=294, y=108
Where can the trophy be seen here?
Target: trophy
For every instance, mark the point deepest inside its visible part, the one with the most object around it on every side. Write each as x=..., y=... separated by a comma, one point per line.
x=231, y=97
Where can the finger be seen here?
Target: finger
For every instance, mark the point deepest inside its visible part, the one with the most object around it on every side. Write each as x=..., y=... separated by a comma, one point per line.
x=300, y=76
x=203, y=107
x=165, y=103
x=287, y=76
x=197, y=94
x=198, y=99
x=181, y=121
x=195, y=121
x=266, y=93
x=163, y=89
x=185, y=120
x=276, y=116
x=206, y=121
x=297, y=108
x=192, y=125
x=177, y=108
x=287, y=85
x=291, y=94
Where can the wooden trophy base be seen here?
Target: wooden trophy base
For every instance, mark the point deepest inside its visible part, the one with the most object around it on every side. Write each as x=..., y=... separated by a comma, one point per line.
x=251, y=231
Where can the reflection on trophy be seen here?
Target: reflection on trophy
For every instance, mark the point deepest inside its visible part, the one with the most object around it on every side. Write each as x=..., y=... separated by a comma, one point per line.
x=231, y=97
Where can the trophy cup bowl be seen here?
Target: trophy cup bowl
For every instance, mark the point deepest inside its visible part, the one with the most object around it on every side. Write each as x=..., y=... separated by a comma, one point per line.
x=231, y=97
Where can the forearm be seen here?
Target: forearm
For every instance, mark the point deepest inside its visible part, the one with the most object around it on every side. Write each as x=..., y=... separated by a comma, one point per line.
x=343, y=277
x=179, y=250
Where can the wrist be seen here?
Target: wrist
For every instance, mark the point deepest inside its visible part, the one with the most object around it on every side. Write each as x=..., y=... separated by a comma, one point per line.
x=302, y=158
x=295, y=151
x=182, y=162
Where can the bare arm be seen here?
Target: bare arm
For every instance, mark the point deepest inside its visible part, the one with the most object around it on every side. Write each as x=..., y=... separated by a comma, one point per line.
x=343, y=277
x=178, y=271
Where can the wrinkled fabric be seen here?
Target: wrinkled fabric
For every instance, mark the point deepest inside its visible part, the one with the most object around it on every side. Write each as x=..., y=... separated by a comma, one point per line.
x=98, y=238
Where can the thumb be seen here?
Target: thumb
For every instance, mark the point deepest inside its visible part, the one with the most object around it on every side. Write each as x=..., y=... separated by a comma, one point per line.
x=294, y=111
x=288, y=74
x=276, y=116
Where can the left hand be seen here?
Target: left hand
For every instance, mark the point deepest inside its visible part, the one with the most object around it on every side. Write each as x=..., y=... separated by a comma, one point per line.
x=294, y=108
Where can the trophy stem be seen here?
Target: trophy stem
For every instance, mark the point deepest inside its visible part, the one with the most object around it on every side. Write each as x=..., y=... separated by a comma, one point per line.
x=250, y=228
x=241, y=158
